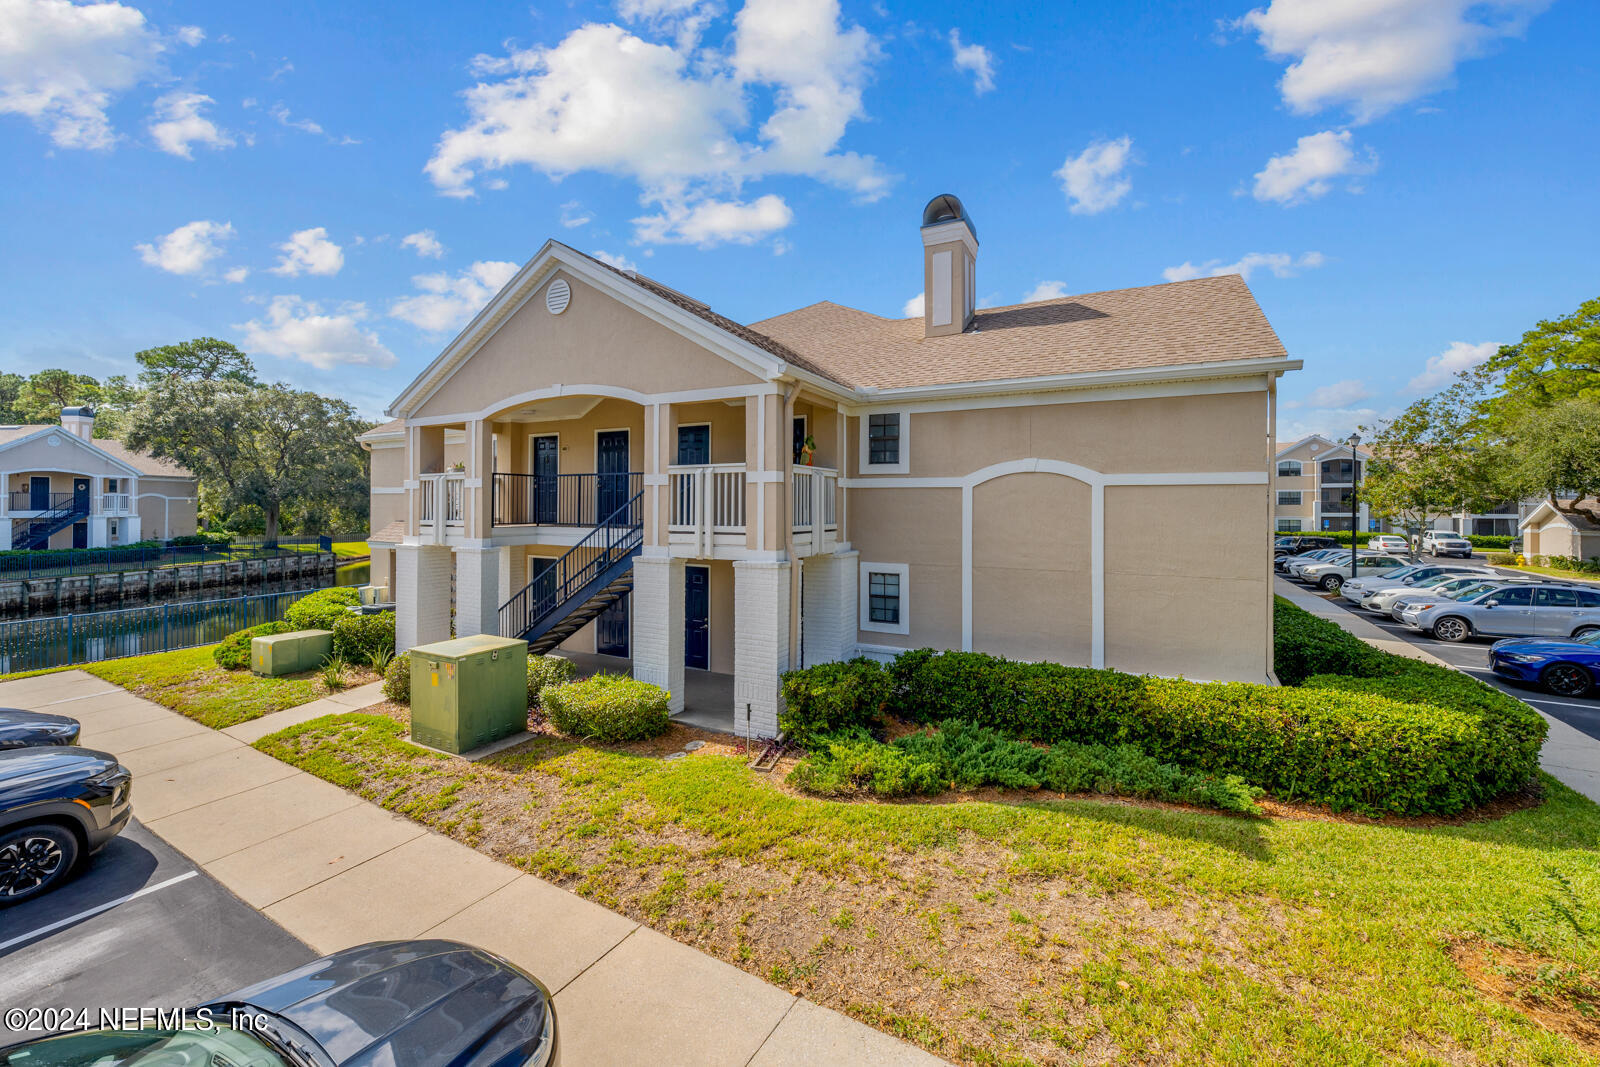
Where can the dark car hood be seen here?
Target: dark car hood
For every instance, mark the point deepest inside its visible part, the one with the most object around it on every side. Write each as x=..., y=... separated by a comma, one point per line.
x=20, y=727
x=405, y=1003
x=1545, y=646
x=59, y=764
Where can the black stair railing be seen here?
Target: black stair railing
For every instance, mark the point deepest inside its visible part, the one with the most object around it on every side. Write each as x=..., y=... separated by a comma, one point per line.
x=609, y=543
x=37, y=530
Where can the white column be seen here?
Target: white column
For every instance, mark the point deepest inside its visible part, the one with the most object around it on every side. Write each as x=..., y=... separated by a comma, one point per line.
x=760, y=644
x=513, y=571
x=828, y=607
x=477, y=591
x=422, y=608
x=658, y=624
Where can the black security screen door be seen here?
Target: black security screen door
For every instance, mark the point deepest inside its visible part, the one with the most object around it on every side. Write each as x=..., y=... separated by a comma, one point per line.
x=546, y=451
x=697, y=618
x=611, y=464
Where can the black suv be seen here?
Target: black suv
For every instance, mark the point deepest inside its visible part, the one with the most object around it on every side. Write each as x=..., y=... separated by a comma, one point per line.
x=1296, y=544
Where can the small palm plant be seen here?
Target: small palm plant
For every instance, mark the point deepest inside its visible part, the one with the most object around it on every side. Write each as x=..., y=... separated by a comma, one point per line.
x=378, y=659
x=332, y=672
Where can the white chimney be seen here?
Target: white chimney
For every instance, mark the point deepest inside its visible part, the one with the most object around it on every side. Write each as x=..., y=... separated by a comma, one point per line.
x=78, y=421
x=949, y=267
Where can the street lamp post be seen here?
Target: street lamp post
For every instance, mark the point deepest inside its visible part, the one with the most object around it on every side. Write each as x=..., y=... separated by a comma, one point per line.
x=1353, y=441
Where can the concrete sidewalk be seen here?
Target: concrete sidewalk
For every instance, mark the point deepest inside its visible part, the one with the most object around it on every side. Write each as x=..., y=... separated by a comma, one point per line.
x=1569, y=755
x=335, y=870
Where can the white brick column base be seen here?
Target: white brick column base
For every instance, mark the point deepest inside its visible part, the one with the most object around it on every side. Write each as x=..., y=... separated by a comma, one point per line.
x=760, y=645
x=828, y=607
x=422, y=608
x=477, y=591
x=658, y=624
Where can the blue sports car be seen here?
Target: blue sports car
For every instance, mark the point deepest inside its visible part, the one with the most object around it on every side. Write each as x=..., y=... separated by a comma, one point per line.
x=1566, y=668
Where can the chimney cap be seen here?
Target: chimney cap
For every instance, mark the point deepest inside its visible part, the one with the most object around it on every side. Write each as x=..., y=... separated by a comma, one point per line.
x=83, y=410
x=946, y=207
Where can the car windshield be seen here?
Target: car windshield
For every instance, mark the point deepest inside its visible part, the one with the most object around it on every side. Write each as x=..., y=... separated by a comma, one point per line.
x=1590, y=638
x=1403, y=572
x=1472, y=589
x=1436, y=581
x=145, y=1048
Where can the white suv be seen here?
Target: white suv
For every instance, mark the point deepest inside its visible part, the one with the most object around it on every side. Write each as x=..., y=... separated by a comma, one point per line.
x=1446, y=543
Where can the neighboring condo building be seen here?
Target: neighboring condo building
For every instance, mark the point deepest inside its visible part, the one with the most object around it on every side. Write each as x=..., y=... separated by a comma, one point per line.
x=63, y=488
x=602, y=461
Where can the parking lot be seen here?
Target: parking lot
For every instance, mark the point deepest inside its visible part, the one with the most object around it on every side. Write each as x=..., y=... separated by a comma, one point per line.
x=1472, y=657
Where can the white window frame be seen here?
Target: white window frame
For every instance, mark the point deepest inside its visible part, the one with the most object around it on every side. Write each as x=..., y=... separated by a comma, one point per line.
x=1299, y=468
x=902, y=467
x=864, y=608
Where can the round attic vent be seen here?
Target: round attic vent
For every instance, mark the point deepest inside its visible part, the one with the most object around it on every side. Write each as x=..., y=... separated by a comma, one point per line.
x=558, y=296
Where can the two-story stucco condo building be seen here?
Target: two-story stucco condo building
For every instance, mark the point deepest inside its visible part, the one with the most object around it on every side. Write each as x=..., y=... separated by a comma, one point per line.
x=601, y=462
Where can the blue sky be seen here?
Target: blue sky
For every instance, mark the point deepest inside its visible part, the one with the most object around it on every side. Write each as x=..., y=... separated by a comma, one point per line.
x=1407, y=182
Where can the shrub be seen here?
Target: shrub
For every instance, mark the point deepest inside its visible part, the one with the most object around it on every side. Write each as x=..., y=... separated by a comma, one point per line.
x=358, y=638
x=322, y=609
x=858, y=764
x=204, y=537
x=1502, y=559
x=233, y=651
x=831, y=697
x=1304, y=645
x=608, y=707
x=546, y=671
x=397, y=680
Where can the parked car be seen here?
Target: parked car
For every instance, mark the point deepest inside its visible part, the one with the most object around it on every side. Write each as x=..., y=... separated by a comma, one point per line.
x=1463, y=589
x=1331, y=574
x=1282, y=561
x=1357, y=589
x=1511, y=610
x=1565, y=668
x=1392, y=601
x=58, y=805
x=389, y=1002
x=1445, y=543
x=1295, y=564
x=1295, y=544
x=26, y=729
x=1388, y=543
x=1515, y=546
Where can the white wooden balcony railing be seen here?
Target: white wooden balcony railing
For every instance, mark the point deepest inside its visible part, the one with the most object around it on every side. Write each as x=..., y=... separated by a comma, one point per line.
x=441, y=494
x=812, y=509
x=116, y=504
x=706, y=505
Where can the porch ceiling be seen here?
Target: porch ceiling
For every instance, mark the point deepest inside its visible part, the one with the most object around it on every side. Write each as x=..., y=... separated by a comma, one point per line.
x=551, y=409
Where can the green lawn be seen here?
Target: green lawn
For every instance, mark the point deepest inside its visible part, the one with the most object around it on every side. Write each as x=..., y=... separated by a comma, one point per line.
x=189, y=681
x=341, y=549
x=1554, y=572
x=1049, y=930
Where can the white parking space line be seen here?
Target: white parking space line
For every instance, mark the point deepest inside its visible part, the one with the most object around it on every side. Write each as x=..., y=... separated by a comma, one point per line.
x=97, y=909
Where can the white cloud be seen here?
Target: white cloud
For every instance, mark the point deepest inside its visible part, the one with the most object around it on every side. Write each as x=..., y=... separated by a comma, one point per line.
x=446, y=303
x=1046, y=291
x=671, y=118
x=187, y=249
x=309, y=252
x=1372, y=56
x=176, y=123
x=300, y=329
x=1446, y=365
x=1308, y=171
x=1094, y=179
x=62, y=64
x=190, y=35
x=281, y=113
x=236, y=275
x=1337, y=396
x=1281, y=264
x=712, y=222
x=914, y=308
x=619, y=262
x=424, y=243
x=685, y=20
x=973, y=59
x=573, y=215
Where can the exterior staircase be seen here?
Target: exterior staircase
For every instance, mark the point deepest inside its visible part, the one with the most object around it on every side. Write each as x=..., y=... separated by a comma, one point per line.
x=35, y=533
x=588, y=578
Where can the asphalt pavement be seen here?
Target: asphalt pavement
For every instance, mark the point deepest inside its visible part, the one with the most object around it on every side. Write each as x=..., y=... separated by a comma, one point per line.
x=138, y=927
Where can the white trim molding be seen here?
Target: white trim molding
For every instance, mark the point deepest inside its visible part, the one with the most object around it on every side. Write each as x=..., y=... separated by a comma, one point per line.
x=863, y=610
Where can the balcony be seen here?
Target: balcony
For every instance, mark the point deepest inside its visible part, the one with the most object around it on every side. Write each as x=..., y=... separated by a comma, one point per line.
x=442, y=503
x=811, y=508
x=26, y=501
x=561, y=499
x=115, y=504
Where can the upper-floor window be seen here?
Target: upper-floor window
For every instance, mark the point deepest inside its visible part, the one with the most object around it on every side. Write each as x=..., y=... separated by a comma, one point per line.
x=1288, y=468
x=883, y=442
x=1289, y=497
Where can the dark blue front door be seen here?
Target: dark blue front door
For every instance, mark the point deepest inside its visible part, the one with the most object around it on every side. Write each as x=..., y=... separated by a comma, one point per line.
x=545, y=466
x=39, y=494
x=611, y=629
x=80, y=496
x=697, y=618
x=694, y=445
x=611, y=464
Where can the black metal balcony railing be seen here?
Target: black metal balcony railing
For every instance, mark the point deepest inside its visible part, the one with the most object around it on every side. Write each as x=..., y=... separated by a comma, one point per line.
x=562, y=499
x=23, y=500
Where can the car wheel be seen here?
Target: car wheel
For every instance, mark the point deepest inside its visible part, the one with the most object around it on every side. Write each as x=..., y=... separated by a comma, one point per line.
x=33, y=860
x=1330, y=583
x=1584, y=631
x=1565, y=679
x=1452, y=628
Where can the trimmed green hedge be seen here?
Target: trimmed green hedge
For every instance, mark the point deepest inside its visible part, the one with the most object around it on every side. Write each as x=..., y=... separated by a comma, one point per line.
x=1354, y=727
x=233, y=651
x=608, y=707
x=546, y=671
x=361, y=638
x=322, y=609
x=823, y=700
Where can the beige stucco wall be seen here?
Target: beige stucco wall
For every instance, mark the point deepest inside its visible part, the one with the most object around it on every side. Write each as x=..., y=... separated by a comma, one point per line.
x=167, y=507
x=920, y=528
x=597, y=340
x=388, y=466
x=727, y=423
x=64, y=456
x=1031, y=568
x=577, y=455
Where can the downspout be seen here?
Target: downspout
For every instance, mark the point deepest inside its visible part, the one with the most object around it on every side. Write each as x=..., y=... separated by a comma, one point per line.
x=785, y=505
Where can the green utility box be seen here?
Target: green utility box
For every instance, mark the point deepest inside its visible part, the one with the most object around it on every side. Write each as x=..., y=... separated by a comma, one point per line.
x=301, y=650
x=468, y=691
